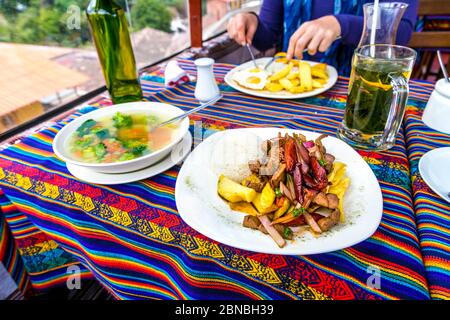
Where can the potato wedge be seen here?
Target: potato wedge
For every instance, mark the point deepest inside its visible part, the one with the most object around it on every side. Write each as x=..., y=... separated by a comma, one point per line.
x=320, y=66
x=267, y=196
x=305, y=76
x=297, y=89
x=282, y=73
x=286, y=84
x=293, y=75
x=321, y=81
x=243, y=207
x=233, y=191
x=257, y=203
x=319, y=74
x=283, y=209
x=274, y=87
x=295, y=82
x=316, y=84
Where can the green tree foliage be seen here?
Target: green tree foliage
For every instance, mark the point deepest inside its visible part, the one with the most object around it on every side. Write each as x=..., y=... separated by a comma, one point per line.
x=150, y=13
x=45, y=21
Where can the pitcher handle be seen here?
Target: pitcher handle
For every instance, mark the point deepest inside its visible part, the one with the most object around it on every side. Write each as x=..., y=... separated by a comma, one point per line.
x=400, y=90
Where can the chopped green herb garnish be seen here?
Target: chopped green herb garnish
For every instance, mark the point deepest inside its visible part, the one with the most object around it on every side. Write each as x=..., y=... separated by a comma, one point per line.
x=322, y=162
x=278, y=192
x=296, y=212
x=287, y=232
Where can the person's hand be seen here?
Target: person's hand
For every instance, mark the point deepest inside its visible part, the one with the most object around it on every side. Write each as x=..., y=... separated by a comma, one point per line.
x=315, y=35
x=242, y=28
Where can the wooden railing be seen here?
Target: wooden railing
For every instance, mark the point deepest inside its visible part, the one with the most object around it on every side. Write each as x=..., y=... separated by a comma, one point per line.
x=432, y=39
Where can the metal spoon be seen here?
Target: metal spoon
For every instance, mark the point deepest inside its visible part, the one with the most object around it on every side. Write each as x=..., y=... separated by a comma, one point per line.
x=184, y=115
x=444, y=70
x=251, y=54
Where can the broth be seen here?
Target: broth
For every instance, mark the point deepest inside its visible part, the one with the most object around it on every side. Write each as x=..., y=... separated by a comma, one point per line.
x=119, y=138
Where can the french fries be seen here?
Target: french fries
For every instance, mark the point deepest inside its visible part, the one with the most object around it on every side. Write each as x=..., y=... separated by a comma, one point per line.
x=297, y=76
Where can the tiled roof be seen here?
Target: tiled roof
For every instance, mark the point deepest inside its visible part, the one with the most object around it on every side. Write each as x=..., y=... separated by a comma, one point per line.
x=28, y=74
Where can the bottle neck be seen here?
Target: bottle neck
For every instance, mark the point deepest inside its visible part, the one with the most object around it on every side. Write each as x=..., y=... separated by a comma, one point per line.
x=102, y=4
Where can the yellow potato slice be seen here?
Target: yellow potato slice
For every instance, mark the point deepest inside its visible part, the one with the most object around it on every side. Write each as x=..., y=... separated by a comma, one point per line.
x=282, y=73
x=297, y=89
x=267, y=196
x=243, y=207
x=257, y=203
x=319, y=74
x=233, y=191
x=274, y=87
x=321, y=81
x=295, y=82
x=293, y=75
x=320, y=66
x=305, y=76
x=286, y=83
x=283, y=209
x=316, y=84
x=339, y=184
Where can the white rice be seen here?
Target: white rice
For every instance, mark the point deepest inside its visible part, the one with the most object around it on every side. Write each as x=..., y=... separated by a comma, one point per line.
x=232, y=153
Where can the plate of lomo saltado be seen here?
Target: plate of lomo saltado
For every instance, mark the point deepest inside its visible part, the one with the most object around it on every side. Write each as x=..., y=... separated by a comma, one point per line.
x=279, y=191
x=282, y=79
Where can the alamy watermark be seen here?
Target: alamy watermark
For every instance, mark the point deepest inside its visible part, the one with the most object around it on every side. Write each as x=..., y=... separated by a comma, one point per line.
x=73, y=21
x=374, y=280
x=73, y=282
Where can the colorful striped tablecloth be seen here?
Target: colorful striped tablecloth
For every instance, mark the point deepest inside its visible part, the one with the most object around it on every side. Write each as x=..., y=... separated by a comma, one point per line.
x=133, y=241
x=432, y=212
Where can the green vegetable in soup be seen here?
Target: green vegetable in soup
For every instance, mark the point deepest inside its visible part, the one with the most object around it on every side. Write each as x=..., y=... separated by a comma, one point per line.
x=139, y=119
x=122, y=120
x=100, y=150
x=135, y=147
x=86, y=127
x=101, y=133
x=89, y=153
x=127, y=156
x=83, y=142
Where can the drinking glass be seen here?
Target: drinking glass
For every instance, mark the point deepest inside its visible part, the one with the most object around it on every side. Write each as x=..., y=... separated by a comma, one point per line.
x=377, y=95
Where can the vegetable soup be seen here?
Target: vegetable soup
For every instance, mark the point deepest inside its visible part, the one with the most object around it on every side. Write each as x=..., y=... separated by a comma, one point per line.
x=119, y=138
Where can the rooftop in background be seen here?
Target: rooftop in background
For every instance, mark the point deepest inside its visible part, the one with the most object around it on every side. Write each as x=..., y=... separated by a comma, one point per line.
x=30, y=74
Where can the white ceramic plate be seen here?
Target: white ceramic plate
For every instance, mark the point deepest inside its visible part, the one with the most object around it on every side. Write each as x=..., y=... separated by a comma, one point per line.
x=178, y=153
x=162, y=110
x=200, y=206
x=434, y=167
x=333, y=76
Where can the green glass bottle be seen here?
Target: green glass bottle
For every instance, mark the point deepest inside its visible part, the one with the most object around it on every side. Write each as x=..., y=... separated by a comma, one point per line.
x=111, y=37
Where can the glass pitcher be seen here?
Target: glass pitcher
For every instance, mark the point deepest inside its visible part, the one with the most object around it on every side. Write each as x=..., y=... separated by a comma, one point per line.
x=378, y=91
x=389, y=17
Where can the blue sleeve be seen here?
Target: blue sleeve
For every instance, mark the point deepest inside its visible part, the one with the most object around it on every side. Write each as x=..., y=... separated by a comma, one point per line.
x=352, y=26
x=270, y=25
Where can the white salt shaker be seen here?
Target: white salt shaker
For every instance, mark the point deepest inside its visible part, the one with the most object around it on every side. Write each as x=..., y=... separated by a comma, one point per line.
x=206, y=88
x=437, y=112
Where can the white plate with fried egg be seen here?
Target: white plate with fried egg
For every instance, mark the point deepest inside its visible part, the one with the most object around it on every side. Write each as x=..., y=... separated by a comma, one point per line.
x=242, y=78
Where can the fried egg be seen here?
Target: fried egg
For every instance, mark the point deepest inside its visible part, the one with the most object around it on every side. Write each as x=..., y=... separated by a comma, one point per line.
x=251, y=78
